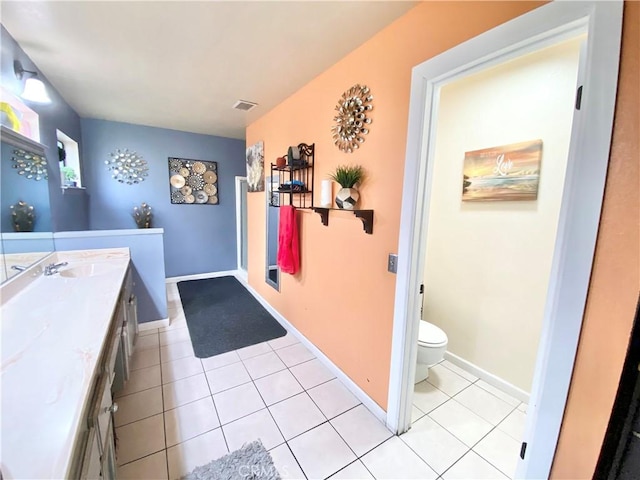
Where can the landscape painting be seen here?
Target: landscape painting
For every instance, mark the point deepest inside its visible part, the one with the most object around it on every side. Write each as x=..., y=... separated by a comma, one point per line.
x=505, y=173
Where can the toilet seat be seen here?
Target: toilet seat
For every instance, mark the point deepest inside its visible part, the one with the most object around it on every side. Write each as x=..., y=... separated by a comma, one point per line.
x=431, y=335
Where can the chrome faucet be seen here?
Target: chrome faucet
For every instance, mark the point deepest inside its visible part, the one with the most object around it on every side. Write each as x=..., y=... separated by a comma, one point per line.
x=52, y=268
x=19, y=268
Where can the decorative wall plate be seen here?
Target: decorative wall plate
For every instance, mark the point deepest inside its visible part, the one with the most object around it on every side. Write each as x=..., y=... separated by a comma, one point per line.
x=201, y=197
x=175, y=165
x=195, y=183
x=177, y=181
x=351, y=120
x=127, y=167
x=199, y=167
x=210, y=189
x=210, y=177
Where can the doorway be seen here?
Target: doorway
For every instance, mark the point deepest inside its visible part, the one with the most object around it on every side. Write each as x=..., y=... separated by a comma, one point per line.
x=578, y=215
x=241, y=226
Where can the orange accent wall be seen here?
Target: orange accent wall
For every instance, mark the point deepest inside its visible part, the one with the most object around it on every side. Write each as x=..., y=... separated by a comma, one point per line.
x=343, y=297
x=615, y=281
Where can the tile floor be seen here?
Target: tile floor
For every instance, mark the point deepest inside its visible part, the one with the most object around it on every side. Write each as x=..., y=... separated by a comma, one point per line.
x=178, y=412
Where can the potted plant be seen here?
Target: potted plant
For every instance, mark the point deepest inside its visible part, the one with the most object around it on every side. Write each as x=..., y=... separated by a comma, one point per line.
x=348, y=176
x=69, y=175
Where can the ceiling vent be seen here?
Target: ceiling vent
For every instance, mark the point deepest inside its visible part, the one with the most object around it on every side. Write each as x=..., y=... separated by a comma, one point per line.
x=244, y=105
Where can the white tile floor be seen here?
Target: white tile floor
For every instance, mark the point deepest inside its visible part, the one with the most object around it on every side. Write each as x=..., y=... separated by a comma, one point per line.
x=178, y=412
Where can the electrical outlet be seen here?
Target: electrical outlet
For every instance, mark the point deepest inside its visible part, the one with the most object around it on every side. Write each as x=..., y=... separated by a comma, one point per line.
x=392, y=263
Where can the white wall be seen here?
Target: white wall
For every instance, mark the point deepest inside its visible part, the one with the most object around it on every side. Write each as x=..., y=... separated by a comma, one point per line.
x=488, y=263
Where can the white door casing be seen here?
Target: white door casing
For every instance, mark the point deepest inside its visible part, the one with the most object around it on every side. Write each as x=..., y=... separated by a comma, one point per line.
x=239, y=219
x=579, y=214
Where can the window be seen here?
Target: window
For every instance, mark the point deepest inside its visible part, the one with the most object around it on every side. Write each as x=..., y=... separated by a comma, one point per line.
x=69, y=161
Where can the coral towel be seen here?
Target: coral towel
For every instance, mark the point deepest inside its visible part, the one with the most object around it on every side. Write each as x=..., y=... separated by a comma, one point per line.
x=288, y=251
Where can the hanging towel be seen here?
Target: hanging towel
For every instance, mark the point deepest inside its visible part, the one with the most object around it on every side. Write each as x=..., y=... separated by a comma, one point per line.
x=288, y=251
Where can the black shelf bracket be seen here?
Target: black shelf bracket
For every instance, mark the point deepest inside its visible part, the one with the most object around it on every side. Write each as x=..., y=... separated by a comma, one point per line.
x=367, y=219
x=324, y=214
x=365, y=215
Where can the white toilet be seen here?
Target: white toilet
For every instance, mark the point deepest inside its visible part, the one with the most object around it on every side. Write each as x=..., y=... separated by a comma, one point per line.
x=432, y=343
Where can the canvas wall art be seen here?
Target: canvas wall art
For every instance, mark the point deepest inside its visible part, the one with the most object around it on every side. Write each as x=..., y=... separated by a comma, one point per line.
x=255, y=167
x=193, y=181
x=505, y=173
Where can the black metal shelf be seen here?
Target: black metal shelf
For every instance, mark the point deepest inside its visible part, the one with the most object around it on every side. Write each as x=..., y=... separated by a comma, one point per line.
x=302, y=172
x=365, y=215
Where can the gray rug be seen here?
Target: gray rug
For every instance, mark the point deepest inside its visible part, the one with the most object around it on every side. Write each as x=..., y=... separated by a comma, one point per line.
x=251, y=462
x=222, y=316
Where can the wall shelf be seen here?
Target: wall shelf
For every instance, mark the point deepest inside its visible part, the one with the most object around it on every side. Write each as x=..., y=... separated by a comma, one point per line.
x=365, y=215
x=302, y=195
x=20, y=141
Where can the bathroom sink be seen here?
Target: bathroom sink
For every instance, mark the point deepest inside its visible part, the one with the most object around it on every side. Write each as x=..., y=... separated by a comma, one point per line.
x=89, y=270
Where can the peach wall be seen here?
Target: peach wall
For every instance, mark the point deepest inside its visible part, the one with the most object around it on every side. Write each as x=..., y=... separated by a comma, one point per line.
x=615, y=282
x=342, y=299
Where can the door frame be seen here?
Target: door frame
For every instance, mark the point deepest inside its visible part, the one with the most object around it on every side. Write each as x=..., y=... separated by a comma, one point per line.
x=579, y=213
x=242, y=272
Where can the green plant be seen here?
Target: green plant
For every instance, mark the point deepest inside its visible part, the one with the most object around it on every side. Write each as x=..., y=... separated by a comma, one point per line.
x=348, y=175
x=68, y=173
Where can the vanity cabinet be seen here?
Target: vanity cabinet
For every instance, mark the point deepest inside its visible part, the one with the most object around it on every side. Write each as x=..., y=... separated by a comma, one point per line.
x=95, y=453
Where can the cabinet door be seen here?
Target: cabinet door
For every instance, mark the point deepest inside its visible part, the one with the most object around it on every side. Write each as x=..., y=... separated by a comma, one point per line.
x=107, y=406
x=109, y=466
x=91, y=461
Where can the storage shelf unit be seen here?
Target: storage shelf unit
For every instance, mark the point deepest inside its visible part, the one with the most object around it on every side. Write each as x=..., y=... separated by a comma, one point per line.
x=302, y=197
x=365, y=215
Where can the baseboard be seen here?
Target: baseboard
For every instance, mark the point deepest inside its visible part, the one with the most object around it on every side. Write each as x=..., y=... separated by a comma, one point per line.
x=360, y=394
x=200, y=276
x=153, y=324
x=490, y=378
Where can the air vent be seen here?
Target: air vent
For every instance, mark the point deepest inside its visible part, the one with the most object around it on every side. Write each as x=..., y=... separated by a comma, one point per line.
x=244, y=105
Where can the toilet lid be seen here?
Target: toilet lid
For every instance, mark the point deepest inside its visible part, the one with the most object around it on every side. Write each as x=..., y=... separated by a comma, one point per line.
x=431, y=334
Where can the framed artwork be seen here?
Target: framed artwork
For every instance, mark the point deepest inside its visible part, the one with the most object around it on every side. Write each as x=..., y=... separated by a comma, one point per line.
x=255, y=167
x=193, y=181
x=505, y=173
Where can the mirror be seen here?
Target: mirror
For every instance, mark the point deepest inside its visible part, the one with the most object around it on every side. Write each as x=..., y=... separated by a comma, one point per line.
x=272, y=272
x=22, y=248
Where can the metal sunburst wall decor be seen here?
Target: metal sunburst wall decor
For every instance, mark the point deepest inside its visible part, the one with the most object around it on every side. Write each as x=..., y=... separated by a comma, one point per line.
x=30, y=165
x=351, y=121
x=127, y=167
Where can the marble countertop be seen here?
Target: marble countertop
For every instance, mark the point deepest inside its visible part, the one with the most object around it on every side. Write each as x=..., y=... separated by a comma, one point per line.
x=53, y=329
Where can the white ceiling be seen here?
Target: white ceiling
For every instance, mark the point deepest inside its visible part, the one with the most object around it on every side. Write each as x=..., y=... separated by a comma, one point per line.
x=182, y=65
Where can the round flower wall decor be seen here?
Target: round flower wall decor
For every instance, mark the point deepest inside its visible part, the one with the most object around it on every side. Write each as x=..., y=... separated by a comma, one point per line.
x=351, y=120
x=127, y=167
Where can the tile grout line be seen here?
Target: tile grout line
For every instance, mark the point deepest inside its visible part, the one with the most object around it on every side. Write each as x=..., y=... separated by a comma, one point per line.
x=422, y=459
x=164, y=423
x=494, y=427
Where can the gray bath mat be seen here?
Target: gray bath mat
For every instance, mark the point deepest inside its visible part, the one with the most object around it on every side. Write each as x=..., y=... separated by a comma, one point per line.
x=251, y=462
x=222, y=316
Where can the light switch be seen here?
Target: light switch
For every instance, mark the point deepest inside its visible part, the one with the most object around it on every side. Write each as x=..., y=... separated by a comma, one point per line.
x=392, y=264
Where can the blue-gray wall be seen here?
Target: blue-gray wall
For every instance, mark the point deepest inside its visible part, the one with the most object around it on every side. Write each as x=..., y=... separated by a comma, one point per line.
x=146, y=257
x=68, y=213
x=197, y=238
x=16, y=187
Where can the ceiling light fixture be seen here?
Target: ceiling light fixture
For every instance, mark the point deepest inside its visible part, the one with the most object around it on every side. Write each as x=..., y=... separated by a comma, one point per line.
x=34, y=89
